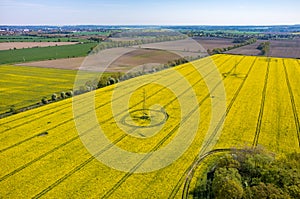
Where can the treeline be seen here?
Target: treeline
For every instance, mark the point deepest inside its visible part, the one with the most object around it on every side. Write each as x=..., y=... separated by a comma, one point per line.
x=232, y=34
x=264, y=47
x=119, y=77
x=55, y=97
x=113, y=79
x=218, y=34
x=252, y=174
x=115, y=44
x=240, y=40
x=221, y=50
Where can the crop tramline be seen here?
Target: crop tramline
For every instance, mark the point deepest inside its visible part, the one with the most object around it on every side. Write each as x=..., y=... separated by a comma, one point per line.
x=262, y=106
x=80, y=166
x=233, y=89
x=104, y=94
x=127, y=175
x=277, y=125
x=292, y=98
x=293, y=71
x=240, y=124
x=231, y=100
x=62, y=159
x=69, y=117
x=47, y=129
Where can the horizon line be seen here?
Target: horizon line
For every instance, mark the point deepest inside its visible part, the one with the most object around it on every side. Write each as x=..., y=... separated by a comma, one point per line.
x=149, y=24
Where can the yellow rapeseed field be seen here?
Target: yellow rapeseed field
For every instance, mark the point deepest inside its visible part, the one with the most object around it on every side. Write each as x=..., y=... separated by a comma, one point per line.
x=55, y=151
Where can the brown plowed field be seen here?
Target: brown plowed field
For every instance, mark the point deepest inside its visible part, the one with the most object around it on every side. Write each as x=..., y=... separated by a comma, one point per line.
x=19, y=45
x=116, y=60
x=278, y=48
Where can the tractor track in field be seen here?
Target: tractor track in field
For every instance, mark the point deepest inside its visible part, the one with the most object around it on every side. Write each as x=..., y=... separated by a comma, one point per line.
x=199, y=161
x=192, y=170
x=128, y=174
x=196, y=160
x=75, y=138
x=292, y=98
x=262, y=107
x=40, y=157
x=60, y=107
x=119, y=139
x=69, y=120
x=83, y=164
x=68, y=104
x=124, y=178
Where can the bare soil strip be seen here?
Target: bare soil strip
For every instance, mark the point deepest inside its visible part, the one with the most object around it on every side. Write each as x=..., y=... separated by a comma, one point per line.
x=19, y=45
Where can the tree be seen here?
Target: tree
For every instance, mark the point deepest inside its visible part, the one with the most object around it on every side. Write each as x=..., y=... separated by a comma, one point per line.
x=230, y=189
x=261, y=175
x=54, y=97
x=265, y=191
x=228, y=161
x=102, y=82
x=63, y=95
x=227, y=183
x=44, y=100
x=111, y=80
x=69, y=94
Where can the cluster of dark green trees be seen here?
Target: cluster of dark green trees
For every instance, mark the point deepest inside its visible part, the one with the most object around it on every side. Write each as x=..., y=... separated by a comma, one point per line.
x=264, y=47
x=237, y=45
x=252, y=174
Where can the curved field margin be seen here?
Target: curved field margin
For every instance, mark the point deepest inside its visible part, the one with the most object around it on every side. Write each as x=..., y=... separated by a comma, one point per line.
x=60, y=157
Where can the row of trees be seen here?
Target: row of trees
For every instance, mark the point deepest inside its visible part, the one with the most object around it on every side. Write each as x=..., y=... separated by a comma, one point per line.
x=220, y=50
x=233, y=34
x=55, y=97
x=252, y=174
x=115, y=44
x=104, y=81
x=264, y=47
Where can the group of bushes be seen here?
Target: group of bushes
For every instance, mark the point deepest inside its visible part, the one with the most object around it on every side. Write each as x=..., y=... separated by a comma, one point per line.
x=220, y=50
x=252, y=174
x=55, y=97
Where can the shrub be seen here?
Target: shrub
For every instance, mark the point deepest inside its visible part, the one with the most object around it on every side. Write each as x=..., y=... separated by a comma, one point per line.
x=44, y=100
x=69, y=94
x=54, y=97
x=63, y=95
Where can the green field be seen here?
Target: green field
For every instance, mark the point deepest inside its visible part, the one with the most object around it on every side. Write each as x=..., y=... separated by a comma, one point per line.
x=45, y=53
x=44, y=149
x=22, y=86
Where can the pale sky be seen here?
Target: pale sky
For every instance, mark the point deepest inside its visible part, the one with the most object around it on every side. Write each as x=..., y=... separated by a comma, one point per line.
x=153, y=12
